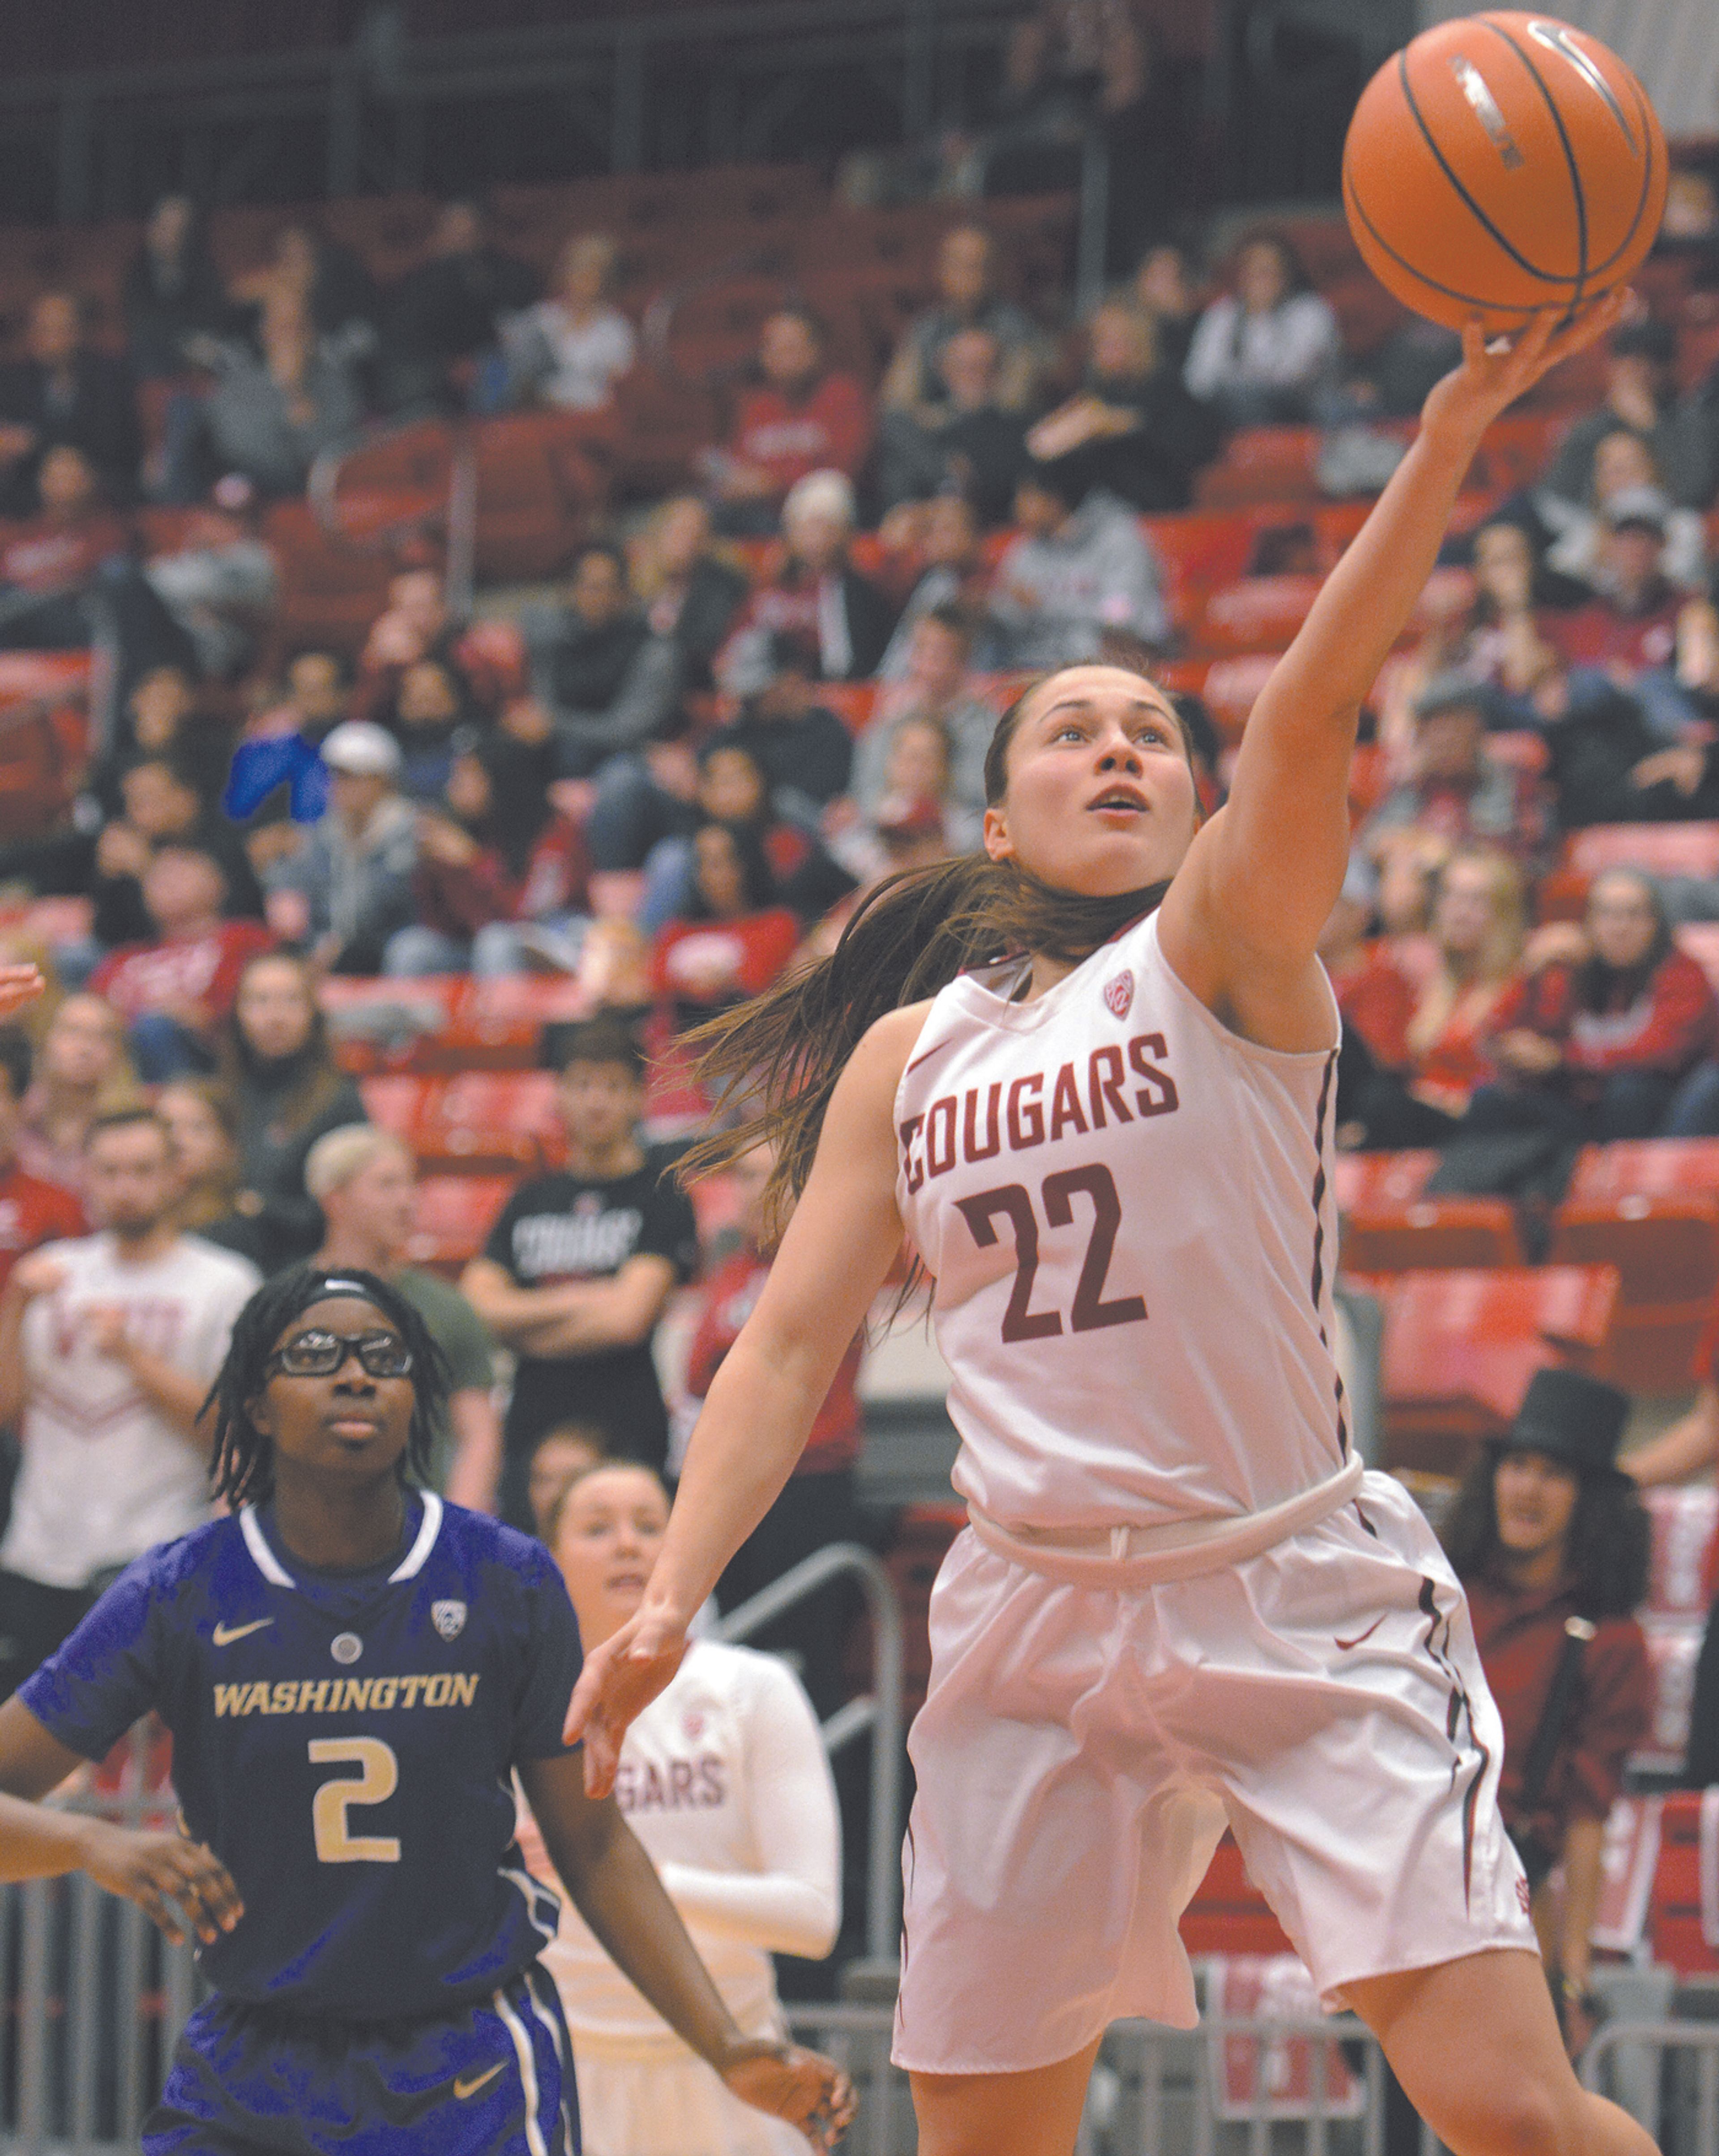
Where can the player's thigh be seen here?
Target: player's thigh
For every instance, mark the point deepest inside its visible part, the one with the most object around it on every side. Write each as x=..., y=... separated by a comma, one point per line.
x=1034, y=2114
x=1475, y=2043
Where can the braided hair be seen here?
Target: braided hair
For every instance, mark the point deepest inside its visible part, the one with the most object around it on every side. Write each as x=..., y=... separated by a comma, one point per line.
x=242, y=1465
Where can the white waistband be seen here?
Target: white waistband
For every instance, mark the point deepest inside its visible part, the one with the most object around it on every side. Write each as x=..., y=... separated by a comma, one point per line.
x=1180, y=1549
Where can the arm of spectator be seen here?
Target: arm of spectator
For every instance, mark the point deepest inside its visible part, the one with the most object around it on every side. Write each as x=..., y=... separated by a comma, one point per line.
x=794, y=1905
x=1131, y=595
x=176, y=1395
x=621, y=1312
x=1687, y=1449
x=1209, y=363
x=646, y=700
x=476, y=1468
x=903, y=388
x=1584, y=1844
x=848, y=417
x=37, y=1273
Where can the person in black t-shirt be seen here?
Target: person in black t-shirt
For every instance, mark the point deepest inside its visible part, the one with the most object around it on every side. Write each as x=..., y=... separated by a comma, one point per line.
x=579, y=1266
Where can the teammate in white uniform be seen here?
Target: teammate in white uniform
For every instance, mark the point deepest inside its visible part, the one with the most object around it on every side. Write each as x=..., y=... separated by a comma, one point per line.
x=724, y=1780
x=1178, y=1603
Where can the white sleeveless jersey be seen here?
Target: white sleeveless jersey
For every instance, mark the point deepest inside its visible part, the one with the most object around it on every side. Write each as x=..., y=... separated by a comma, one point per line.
x=1126, y=1211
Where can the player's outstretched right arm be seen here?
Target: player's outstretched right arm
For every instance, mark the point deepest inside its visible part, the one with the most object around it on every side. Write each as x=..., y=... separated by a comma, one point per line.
x=179, y=1884
x=835, y=1257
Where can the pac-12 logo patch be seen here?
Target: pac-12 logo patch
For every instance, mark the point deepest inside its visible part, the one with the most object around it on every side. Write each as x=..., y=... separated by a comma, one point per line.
x=449, y=1619
x=1119, y=994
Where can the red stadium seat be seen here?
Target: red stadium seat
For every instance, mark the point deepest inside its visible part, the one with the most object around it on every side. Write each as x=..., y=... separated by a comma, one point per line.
x=485, y=1121
x=1229, y=1915
x=1431, y=1233
x=1644, y=1168
x=1629, y=1858
x=1461, y=1346
x=377, y=1025
x=455, y=1214
x=1360, y=1180
x=1262, y=464
x=1684, y=1936
x=1665, y=1247
x=1687, y=850
x=1684, y=1523
x=1672, y=1648
x=1254, y=613
x=43, y=736
x=393, y=1103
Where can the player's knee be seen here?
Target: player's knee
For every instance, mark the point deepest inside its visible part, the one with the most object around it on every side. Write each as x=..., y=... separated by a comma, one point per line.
x=1518, y=2117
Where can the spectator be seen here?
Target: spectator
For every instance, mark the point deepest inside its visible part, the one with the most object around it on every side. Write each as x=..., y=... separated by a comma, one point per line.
x=804, y=416
x=1610, y=1028
x=751, y=1856
x=364, y=1181
x=278, y=778
x=165, y=716
x=690, y=592
x=1456, y=788
x=416, y=626
x=936, y=685
x=908, y=824
x=818, y=597
x=202, y=1120
x=734, y=788
x=1629, y=627
x=176, y=990
x=441, y=315
x=171, y=291
x=1148, y=436
x=914, y=392
x=277, y=405
x=580, y=1266
x=1163, y=289
x=973, y=446
x=348, y=886
x=83, y=1072
x=502, y=877
x=1623, y=466
x=290, y=1092
x=1430, y=1021
x=108, y=1346
x=311, y=273
x=1264, y=351
x=817, y=1505
x=602, y=684
x=806, y=751
x=62, y=392
x=1551, y=1544
x=952, y=571
x=432, y=706
x=558, y=1459
x=1640, y=395
x=734, y=939
x=1607, y=762
x=1080, y=570
x=222, y=583
x=32, y=1211
x=570, y=349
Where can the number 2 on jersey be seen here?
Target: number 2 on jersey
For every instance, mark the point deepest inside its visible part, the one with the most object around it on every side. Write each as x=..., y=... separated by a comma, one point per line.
x=1014, y=1203
x=379, y=1777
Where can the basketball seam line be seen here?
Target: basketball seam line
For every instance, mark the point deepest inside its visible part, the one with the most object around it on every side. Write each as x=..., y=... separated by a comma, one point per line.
x=1450, y=292
x=1521, y=261
x=1577, y=188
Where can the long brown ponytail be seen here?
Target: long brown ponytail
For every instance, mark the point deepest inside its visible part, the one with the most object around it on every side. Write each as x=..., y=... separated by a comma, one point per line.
x=769, y=1067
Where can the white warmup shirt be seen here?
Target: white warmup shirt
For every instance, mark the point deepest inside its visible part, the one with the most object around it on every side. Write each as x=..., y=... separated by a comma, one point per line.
x=723, y=1778
x=104, y=1476
x=1126, y=1210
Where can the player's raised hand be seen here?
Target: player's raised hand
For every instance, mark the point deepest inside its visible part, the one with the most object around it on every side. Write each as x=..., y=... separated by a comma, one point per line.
x=620, y=1680
x=178, y=1884
x=1493, y=374
x=19, y=984
x=805, y=2088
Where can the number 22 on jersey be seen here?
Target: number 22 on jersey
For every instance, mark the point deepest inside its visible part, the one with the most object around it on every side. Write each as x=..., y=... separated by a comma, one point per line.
x=1014, y=1203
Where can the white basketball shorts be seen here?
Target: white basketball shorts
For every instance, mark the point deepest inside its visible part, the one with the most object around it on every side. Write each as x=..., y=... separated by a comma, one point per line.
x=1081, y=1751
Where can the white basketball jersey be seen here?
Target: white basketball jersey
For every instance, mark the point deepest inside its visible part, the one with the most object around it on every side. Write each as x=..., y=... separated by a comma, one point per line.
x=1126, y=1211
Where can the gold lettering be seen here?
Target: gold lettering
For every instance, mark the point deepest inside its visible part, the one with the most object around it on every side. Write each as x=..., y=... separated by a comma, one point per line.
x=465, y=1690
x=436, y=1690
x=229, y=1698
x=382, y=1693
x=354, y=1692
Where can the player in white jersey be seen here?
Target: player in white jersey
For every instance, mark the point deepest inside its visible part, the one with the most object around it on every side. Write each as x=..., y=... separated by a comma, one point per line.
x=1179, y=1604
x=724, y=1780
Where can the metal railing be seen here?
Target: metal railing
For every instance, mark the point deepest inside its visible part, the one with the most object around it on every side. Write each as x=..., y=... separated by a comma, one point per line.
x=879, y=1711
x=1686, y=2096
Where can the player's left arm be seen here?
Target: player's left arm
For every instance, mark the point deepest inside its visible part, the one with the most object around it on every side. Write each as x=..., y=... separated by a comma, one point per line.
x=616, y=1890
x=1243, y=918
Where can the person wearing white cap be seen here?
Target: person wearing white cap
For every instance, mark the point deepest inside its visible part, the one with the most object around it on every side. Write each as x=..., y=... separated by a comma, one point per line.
x=349, y=885
x=819, y=598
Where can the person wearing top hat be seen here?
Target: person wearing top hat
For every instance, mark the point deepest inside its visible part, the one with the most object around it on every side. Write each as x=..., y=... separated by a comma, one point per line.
x=1549, y=1538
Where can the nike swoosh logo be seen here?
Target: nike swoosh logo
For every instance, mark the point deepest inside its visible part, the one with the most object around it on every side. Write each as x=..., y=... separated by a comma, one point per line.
x=224, y=1635
x=464, y=2088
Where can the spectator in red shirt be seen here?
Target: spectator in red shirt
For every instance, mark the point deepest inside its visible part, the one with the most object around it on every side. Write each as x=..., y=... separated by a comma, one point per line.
x=816, y=1506
x=804, y=416
x=1550, y=1540
x=175, y=992
x=32, y=1212
x=734, y=939
x=1610, y=1025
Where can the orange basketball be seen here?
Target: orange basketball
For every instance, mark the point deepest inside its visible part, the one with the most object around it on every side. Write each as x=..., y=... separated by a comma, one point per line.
x=1500, y=164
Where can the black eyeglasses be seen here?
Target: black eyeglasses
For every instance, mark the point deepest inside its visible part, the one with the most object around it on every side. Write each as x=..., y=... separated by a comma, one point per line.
x=319, y=1354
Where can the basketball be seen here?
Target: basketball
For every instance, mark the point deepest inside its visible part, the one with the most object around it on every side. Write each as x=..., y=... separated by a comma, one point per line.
x=1500, y=164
